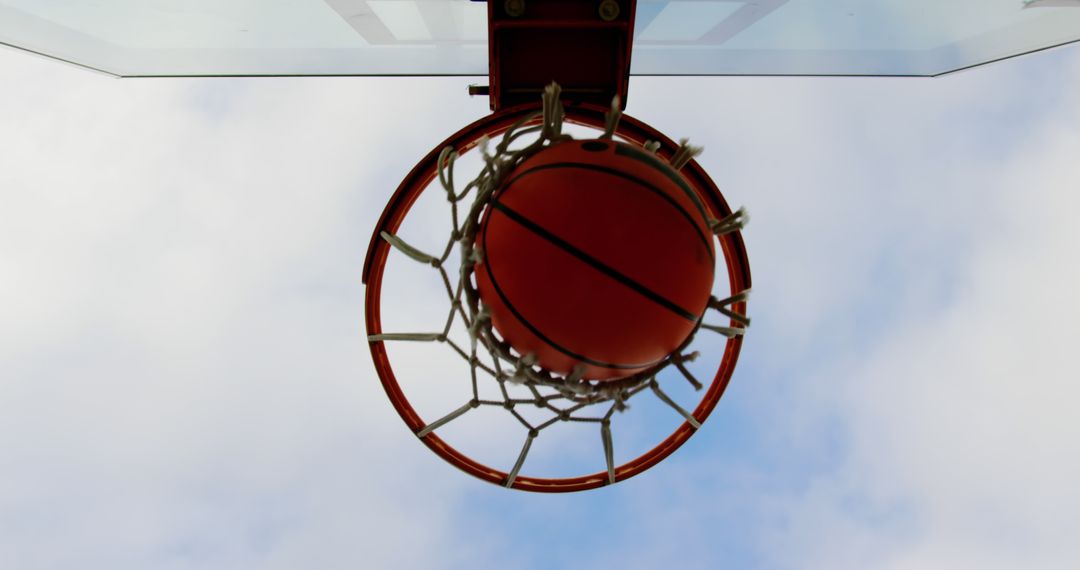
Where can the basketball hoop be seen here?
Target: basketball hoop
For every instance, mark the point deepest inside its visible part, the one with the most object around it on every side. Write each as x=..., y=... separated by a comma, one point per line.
x=568, y=395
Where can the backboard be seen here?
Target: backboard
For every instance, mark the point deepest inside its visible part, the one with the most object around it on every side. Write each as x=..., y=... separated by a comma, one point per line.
x=161, y=38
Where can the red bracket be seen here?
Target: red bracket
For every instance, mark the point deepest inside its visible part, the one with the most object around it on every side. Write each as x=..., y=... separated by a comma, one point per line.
x=583, y=45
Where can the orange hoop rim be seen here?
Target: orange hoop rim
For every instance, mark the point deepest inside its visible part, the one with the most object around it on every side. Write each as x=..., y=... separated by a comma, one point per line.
x=418, y=180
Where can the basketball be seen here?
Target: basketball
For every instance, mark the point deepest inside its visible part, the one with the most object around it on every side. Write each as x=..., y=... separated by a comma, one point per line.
x=595, y=253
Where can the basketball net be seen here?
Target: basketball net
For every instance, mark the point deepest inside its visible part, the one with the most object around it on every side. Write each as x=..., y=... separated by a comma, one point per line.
x=569, y=397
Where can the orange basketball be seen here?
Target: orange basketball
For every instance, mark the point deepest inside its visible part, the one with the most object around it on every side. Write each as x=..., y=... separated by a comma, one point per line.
x=597, y=253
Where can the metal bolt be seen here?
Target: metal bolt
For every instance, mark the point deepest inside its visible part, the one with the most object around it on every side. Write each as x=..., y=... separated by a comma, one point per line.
x=514, y=8
x=609, y=10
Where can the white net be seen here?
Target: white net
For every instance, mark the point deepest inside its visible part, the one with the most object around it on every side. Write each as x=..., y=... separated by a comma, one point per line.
x=537, y=398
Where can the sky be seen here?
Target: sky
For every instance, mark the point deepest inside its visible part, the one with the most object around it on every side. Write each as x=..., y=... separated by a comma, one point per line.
x=185, y=381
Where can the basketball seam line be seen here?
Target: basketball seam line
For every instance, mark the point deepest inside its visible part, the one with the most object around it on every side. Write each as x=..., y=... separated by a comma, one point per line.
x=658, y=192
x=595, y=263
x=651, y=159
x=532, y=328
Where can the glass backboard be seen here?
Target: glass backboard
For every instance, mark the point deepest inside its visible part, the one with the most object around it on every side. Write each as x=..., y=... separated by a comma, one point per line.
x=140, y=38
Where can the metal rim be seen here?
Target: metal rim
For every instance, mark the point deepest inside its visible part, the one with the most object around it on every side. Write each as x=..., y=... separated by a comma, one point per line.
x=418, y=180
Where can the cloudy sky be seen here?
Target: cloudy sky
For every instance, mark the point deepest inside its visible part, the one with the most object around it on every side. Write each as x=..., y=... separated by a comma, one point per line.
x=184, y=380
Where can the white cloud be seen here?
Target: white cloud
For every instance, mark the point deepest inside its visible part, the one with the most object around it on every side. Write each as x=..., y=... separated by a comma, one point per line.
x=969, y=415
x=185, y=381
x=915, y=244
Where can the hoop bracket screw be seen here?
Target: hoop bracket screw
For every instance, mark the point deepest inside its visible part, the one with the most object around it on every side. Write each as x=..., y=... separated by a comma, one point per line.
x=609, y=10
x=514, y=8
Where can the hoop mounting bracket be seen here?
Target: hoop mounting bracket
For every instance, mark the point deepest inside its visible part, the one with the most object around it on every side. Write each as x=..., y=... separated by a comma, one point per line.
x=583, y=45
